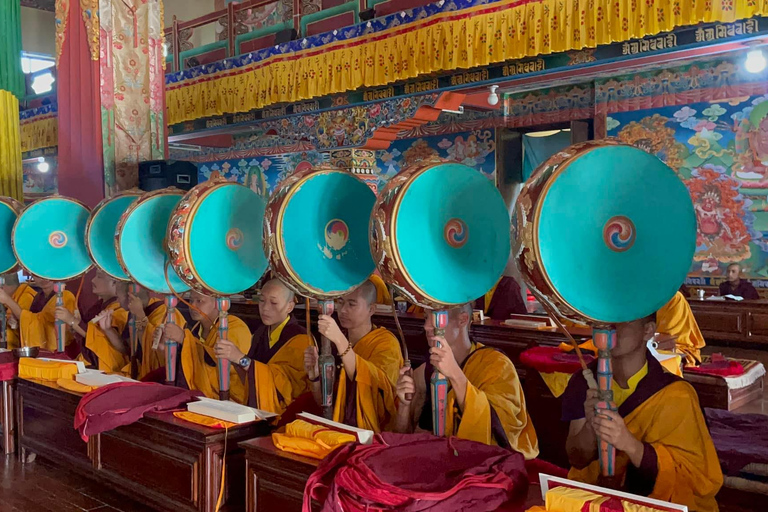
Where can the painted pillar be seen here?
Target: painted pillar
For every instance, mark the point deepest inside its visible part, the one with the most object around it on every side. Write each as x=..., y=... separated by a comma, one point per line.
x=360, y=162
x=11, y=90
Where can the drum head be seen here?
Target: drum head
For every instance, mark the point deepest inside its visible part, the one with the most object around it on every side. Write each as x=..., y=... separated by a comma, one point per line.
x=320, y=225
x=141, y=241
x=450, y=234
x=217, y=230
x=616, y=233
x=9, y=212
x=100, y=233
x=49, y=239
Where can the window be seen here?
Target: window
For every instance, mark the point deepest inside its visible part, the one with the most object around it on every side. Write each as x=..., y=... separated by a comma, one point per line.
x=41, y=81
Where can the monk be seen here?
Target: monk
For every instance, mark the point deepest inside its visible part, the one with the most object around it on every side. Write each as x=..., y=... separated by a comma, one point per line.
x=485, y=400
x=99, y=331
x=370, y=363
x=676, y=319
x=503, y=300
x=150, y=314
x=272, y=365
x=382, y=292
x=663, y=447
x=736, y=286
x=198, y=368
x=21, y=295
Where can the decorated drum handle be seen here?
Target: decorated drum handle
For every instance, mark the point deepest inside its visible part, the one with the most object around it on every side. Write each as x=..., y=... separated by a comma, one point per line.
x=61, y=326
x=171, y=347
x=3, y=320
x=605, y=341
x=133, y=289
x=438, y=383
x=326, y=365
x=223, y=304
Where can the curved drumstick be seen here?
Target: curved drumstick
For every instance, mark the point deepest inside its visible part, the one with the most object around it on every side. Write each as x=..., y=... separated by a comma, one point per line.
x=133, y=289
x=171, y=347
x=403, y=346
x=223, y=304
x=61, y=326
x=3, y=320
x=438, y=383
x=327, y=365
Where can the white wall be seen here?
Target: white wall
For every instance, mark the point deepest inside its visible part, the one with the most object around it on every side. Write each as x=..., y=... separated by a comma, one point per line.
x=186, y=10
x=38, y=31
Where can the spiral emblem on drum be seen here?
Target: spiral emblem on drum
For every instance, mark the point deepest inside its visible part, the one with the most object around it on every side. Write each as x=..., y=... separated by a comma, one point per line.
x=336, y=234
x=57, y=239
x=234, y=239
x=456, y=233
x=619, y=233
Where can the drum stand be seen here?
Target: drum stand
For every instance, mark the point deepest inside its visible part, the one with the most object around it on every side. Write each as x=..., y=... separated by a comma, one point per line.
x=326, y=365
x=171, y=347
x=133, y=288
x=3, y=321
x=605, y=341
x=61, y=327
x=438, y=383
x=223, y=304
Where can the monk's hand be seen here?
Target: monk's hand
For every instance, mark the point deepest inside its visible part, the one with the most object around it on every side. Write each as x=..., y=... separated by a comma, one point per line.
x=64, y=315
x=589, y=405
x=105, y=321
x=405, y=385
x=443, y=359
x=173, y=333
x=330, y=329
x=225, y=349
x=610, y=427
x=311, y=362
x=5, y=299
x=136, y=307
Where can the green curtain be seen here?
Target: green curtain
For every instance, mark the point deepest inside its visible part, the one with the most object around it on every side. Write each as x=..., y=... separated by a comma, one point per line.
x=11, y=91
x=11, y=77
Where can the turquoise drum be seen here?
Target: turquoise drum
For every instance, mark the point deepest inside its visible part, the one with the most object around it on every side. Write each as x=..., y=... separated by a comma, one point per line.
x=215, y=238
x=10, y=209
x=316, y=232
x=100, y=232
x=439, y=233
x=140, y=241
x=49, y=239
x=605, y=232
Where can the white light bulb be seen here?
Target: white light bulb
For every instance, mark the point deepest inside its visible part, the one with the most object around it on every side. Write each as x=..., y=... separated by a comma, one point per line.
x=755, y=61
x=43, y=167
x=493, y=98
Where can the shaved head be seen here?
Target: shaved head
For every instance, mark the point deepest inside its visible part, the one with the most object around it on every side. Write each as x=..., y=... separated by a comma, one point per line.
x=276, y=284
x=455, y=313
x=10, y=283
x=276, y=302
x=368, y=292
x=356, y=308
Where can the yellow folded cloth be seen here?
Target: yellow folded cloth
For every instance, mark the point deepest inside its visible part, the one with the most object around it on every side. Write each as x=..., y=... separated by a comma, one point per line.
x=556, y=382
x=70, y=384
x=52, y=371
x=568, y=499
x=587, y=346
x=200, y=419
x=304, y=438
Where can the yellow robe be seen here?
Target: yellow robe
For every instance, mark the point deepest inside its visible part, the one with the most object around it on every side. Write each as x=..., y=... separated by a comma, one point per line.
x=283, y=379
x=23, y=296
x=205, y=378
x=39, y=329
x=378, y=360
x=688, y=468
x=676, y=319
x=110, y=359
x=492, y=382
x=382, y=292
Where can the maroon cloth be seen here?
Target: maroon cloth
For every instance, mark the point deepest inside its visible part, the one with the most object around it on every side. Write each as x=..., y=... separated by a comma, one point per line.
x=740, y=439
x=552, y=359
x=535, y=467
x=506, y=300
x=744, y=289
x=124, y=403
x=418, y=473
x=723, y=368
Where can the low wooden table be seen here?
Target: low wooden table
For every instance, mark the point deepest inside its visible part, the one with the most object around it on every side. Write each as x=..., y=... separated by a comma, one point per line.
x=8, y=415
x=162, y=461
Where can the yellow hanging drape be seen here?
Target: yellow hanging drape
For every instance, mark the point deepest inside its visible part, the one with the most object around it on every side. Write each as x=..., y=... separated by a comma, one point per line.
x=10, y=156
x=39, y=133
x=477, y=36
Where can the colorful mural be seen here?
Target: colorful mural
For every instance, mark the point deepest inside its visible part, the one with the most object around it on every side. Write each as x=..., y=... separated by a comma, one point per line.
x=720, y=150
x=38, y=184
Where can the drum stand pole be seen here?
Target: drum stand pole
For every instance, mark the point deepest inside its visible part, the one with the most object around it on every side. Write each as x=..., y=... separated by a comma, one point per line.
x=438, y=383
x=171, y=347
x=133, y=288
x=327, y=365
x=223, y=304
x=3, y=320
x=605, y=341
x=61, y=327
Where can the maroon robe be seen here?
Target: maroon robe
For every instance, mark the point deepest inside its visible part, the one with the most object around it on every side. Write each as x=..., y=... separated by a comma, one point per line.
x=506, y=300
x=744, y=290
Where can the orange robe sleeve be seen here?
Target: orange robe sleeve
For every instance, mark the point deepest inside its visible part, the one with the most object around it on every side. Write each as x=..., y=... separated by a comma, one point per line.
x=205, y=378
x=283, y=379
x=152, y=359
x=110, y=359
x=39, y=329
x=378, y=360
x=23, y=296
x=676, y=319
x=493, y=384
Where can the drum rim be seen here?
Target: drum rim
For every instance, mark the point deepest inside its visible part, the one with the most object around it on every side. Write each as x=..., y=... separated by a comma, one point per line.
x=16, y=223
x=91, y=219
x=17, y=207
x=297, y=284
x=124, y=218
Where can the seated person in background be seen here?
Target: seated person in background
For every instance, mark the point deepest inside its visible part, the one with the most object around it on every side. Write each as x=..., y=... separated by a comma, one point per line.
x=150, y=314
x=272, y=362
x=485, y=402
x=370, y=362
x=737, y=286
x=663, y=447
x=382, y=292
x=37, y=326
x=676, y=319
x=16, y=298
x=99, y=343
x=503, y=300
x=197, y=366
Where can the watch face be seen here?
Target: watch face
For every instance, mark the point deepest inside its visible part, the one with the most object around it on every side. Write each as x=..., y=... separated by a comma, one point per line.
x=244, y=361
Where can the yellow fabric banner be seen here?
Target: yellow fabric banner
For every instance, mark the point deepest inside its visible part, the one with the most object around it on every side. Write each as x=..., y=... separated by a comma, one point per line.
x=39, y=133
x=478, y=36
x=10, y=156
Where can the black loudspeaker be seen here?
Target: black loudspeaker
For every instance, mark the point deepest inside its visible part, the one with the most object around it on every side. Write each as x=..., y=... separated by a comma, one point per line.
x=157, y=174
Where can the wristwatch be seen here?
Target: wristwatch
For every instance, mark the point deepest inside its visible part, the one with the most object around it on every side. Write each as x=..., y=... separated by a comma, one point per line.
x=244, y=362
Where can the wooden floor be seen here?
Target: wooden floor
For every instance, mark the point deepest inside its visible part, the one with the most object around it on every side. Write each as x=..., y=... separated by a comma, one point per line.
x=41, y=486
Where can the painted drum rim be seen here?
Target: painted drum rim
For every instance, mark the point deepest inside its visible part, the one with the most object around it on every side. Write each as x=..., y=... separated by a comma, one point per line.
x=92, y=217
x=13, y=237
x=16, y=207
x=124, y=218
